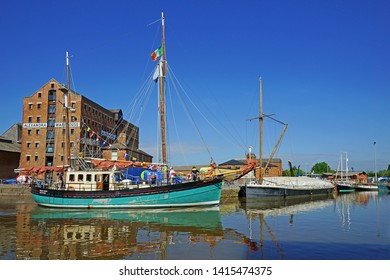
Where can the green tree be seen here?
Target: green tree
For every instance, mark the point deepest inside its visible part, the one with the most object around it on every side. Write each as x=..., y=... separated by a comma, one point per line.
x=321, y=167
x=295, y=170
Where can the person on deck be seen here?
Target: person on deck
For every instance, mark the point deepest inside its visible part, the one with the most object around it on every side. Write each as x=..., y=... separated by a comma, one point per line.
x=194, y=173
x=60, y=180
x=172, y=175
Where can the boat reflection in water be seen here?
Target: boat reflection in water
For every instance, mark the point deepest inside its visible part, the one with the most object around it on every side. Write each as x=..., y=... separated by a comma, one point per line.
x=262, y=208
x=118, y=234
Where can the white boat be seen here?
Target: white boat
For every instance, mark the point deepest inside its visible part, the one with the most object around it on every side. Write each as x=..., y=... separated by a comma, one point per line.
x=282, y=186
x=366, y=187
x=288, y=186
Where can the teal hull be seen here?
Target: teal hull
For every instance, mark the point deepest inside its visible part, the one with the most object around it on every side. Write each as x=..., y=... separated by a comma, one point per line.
x=181, y=195
x=186, y=218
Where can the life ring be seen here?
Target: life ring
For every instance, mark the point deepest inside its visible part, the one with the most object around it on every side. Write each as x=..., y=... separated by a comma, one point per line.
x=71, y=188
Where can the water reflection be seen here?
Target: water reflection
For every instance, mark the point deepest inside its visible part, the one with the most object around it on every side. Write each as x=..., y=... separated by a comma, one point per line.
x=340, y=227
x=114, y=234
x=262, y=207
x=345, y=202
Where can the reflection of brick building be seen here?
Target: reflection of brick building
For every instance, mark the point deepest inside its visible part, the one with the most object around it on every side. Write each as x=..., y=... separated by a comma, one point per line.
x=90, y=126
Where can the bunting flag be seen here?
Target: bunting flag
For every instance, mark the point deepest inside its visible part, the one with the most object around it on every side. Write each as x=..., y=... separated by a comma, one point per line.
x=156, y=53
x=92, y=134
x=125, y=156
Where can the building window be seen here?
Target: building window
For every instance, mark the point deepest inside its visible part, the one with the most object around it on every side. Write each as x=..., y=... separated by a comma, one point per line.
x=30, y=119
x=28, y=145
x=36, y=144
x=71, y=144
x=49, y=148
x=62, y=158
x=39, y=105
x=38, y=119
x=72, y=131
x=50, y=134
x=63, y=131
x=63, y=145
x=28, y=158
x=36, y=158
x=52, y=85
x=52, y=109
x=29, y=132
x=30, y=106
x=73, y=105
x=37, y=132
x=52, y=95
x=39, y=94
x=51, y=122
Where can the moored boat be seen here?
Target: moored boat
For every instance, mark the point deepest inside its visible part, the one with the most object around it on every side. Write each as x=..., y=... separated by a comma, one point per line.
x=345, y=186
x=288, y=186
x=101, y=186
x=281, y=186
x=99, y=189
x=366, y=187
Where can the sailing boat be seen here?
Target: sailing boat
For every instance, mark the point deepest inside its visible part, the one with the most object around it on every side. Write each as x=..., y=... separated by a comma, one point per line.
x=281, y=186
x=102, y=187
x=344, y=184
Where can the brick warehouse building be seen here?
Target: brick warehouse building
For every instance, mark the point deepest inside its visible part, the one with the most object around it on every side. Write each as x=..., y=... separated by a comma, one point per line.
x=91, y=127
x=10, y=151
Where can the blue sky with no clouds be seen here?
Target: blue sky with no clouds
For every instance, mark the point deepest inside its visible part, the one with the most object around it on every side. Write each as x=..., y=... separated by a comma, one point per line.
x=325, y=69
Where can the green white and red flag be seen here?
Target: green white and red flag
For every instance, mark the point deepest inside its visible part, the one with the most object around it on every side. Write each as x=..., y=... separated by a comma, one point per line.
x=156, y=53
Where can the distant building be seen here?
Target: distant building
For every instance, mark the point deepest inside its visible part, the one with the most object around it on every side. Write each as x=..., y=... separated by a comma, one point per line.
x=356, y=176
x=91, y=128
x=273, y=169
x=10, y=151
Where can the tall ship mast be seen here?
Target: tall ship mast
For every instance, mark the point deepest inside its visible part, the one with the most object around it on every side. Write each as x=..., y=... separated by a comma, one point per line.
x=162, y=76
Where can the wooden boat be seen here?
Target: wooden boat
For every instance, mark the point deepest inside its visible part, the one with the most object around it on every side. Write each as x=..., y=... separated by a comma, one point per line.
x=281, y=186
x=103, y=188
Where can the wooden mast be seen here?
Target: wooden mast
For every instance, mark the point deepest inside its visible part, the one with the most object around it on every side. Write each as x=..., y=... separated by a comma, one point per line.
x=162, y=94
x=261, y=133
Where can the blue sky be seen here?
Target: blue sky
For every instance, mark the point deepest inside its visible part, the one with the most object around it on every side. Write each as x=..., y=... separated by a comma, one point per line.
x=325, y=67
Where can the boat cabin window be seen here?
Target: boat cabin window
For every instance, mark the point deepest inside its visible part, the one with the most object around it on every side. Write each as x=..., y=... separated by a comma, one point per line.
x=88, y=178
x=71, y=177
x=80, y=177
x=98, y=178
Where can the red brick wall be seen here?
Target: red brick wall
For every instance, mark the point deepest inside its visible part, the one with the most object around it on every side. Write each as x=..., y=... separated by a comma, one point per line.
x=8, y=162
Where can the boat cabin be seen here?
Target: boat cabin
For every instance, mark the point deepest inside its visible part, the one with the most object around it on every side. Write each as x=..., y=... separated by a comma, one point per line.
x=93, y=180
